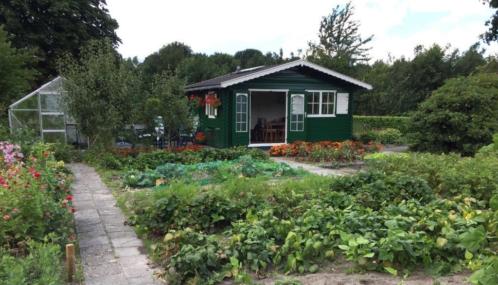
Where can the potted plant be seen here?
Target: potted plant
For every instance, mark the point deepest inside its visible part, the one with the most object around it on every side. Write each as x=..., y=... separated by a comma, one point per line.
x=212, y=99
x=200, y=137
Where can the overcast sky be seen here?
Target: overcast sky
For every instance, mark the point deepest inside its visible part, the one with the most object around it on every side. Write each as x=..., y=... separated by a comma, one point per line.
x=268, y=25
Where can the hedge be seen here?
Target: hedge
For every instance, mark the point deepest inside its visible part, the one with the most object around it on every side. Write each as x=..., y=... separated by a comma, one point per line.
x=363, y=124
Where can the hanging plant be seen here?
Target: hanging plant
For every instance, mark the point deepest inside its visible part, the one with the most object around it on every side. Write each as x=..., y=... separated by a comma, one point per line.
x=212, y=99
x=196, y=101
x=200, y=137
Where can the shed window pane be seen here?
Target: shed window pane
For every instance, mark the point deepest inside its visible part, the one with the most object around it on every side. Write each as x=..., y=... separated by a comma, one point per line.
x=328, y=102
x=314, y=103
x=210, y=110
x=241, y=120
x=297, y=113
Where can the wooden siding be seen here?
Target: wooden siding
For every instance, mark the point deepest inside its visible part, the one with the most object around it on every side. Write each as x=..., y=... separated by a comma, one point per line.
x=297, y=80
x=216, y=129
x=221, y=130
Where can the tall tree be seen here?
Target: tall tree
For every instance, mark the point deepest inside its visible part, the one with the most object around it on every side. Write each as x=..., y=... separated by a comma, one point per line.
x=340, y=45
x=250, y=58
x=100, y=90
x=167, y=99
x=52, y=28
x=492, y=33
x=201, y=67
x=166, y=59
x=16, y=73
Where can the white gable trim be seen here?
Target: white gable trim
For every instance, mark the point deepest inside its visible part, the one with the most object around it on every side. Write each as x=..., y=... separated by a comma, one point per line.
x=292, y=64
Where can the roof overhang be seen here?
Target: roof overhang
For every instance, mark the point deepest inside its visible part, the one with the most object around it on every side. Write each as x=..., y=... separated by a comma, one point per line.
x=282, y=67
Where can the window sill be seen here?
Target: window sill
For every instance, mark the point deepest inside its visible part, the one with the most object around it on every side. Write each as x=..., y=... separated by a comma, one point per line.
x=211, y=117
x=320, y=116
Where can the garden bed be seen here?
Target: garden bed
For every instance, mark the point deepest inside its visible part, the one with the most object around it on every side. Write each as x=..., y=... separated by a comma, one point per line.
x=406, y=213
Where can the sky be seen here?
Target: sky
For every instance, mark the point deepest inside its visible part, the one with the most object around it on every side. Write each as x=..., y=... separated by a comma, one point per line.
x=268, y=25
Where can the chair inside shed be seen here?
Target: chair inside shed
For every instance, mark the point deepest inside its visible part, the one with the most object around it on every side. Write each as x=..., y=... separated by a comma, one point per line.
x=267, y=117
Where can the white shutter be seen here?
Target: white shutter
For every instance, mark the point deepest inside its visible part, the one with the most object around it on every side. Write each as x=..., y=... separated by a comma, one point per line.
x=342, y=103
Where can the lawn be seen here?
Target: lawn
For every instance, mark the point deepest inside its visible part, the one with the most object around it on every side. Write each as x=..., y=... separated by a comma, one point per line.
x=207, y=218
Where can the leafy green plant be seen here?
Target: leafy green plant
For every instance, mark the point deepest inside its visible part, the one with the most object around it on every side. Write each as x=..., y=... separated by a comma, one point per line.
x=461, y=116
x=363, y=124
x=41, y=266
x=404, y=213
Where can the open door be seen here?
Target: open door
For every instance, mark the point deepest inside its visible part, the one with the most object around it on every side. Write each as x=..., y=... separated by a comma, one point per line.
x=296, y=117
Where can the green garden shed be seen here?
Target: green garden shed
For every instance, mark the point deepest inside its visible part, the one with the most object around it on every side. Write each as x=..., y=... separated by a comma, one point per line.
x=270, y=105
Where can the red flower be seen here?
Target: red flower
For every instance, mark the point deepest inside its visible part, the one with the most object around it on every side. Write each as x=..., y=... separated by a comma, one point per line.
x=69, y=197
x=36, y=174
x=73, y=210
x=6, y=217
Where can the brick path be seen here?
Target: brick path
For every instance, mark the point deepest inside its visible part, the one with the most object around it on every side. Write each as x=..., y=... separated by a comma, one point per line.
x=110, y=251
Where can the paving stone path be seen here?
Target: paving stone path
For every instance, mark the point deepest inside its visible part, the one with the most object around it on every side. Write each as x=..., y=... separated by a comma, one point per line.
x=314, y=168
x=110, y=251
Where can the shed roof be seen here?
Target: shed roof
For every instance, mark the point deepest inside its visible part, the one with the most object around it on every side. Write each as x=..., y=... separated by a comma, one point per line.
x=256, y=72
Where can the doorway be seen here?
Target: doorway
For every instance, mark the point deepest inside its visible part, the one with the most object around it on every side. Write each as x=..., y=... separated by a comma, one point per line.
x=268, y=117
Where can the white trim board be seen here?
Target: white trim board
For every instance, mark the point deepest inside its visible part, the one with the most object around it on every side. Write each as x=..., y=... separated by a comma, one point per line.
x=292, y=64
x=264, y=144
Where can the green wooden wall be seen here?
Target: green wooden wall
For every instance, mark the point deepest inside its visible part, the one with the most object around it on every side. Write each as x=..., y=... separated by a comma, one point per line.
x=221, y=130
x=216, y=129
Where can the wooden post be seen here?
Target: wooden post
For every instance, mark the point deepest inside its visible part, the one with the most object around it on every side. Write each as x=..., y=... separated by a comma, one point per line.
x=70, y=261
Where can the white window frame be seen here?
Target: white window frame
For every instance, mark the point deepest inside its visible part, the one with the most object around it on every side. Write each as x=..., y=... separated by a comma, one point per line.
x=211, y=112
x=297, y=122
x=320, y=105
x=246, y=112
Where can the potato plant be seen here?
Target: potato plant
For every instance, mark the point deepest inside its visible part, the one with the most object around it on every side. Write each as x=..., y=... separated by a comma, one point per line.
x=438, y=213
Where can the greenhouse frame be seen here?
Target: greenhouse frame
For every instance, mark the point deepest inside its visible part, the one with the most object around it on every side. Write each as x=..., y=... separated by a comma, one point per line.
x=43, y=112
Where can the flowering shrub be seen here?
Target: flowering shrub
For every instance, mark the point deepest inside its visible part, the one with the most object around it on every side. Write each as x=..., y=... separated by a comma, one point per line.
x=10, y=152
x=212, y=99
x=35, y=198
x=325, y=150
x=200, y=137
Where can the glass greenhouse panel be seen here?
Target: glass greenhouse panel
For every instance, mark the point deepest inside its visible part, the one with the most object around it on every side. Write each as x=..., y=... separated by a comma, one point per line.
x=54, y=137
x=26, y=119
x=50, y=103
x=53, y=122
x=30, y=103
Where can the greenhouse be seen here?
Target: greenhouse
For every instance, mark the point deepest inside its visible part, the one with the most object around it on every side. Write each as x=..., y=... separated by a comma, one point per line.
x=42, y=111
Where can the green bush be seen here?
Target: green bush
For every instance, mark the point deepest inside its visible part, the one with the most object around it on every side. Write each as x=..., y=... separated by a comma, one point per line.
x=447, y=175
x=363, y=124
x=383, y=136
x=41, y=266
x=491, y=149
x=388, y=136
x=461, y=116
x=63, y=152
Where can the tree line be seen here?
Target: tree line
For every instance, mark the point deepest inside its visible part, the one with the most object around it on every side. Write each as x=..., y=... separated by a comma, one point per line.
x=36, y=44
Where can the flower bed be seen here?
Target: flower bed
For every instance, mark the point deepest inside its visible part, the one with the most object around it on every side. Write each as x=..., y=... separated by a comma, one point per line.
x=325, y=151
x=36, y=209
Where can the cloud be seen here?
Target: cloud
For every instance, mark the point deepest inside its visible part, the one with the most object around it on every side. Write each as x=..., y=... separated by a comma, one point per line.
x=232, y=25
